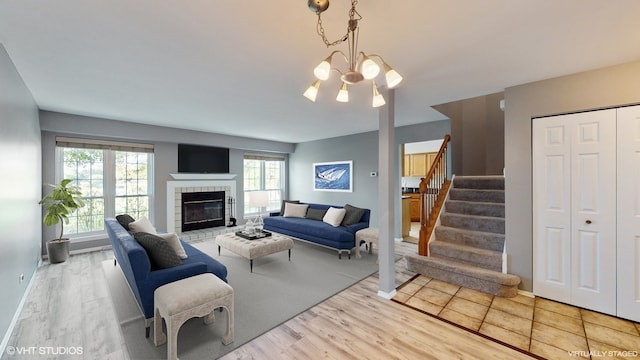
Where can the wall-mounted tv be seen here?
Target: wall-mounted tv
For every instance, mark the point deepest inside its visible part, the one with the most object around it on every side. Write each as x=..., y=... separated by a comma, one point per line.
x=202, y=159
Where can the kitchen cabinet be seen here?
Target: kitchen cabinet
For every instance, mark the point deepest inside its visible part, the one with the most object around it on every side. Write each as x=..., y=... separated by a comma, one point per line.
x=417, y=164
x=414, y=206
x=406, y=215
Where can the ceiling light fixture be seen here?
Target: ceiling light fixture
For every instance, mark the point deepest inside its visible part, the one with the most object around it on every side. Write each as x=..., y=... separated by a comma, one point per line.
x=360, y=65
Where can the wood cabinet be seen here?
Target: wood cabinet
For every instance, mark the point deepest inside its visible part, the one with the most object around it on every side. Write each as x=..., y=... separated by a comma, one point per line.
x=414, y=206
x=406, y=216
x=406, y=165
x=417, y=164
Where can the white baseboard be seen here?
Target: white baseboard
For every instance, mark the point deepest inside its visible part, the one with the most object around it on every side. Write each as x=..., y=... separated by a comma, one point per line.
x=387, y=295
x=526, y=293
x=16, y=315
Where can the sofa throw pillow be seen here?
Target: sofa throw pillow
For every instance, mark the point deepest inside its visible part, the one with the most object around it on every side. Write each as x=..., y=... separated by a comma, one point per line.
x=334, y=216
x=284, y=202
x=173, y=241
x=160, y=252
x=315, y=214
x=142, y=225
x=353, y=215
x=295, y=210
x=125, y=220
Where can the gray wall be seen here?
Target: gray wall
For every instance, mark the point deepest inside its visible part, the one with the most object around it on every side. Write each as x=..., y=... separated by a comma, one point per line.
x=165, y=142
x=477, y=134
x=20, y=190
x=362, y=149
x=608, y=87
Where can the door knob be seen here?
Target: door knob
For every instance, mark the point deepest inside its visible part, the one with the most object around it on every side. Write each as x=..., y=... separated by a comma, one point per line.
x=588, y=221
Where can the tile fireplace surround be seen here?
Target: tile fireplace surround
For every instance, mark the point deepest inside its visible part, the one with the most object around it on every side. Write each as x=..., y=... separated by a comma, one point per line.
x=187, y=183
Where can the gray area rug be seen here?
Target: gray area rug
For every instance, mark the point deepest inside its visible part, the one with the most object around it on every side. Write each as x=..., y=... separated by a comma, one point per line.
x=276, y=291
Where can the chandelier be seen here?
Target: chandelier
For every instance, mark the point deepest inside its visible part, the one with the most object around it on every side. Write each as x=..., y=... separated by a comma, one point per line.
x=360, y=65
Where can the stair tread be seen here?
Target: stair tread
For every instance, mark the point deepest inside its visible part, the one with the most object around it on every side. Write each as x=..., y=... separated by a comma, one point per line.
x=466, y=269
x=466, y=248
x=479, y=233
x=475, y=202
x=488, y=217
x=484, y=258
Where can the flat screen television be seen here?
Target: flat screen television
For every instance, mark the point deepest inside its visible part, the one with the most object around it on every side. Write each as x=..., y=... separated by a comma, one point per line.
x=202, y=159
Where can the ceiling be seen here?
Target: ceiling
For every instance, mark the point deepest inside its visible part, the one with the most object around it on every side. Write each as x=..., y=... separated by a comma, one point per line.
x=239, y=67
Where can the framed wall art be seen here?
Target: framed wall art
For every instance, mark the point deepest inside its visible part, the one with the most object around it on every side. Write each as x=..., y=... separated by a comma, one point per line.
x=333, y=176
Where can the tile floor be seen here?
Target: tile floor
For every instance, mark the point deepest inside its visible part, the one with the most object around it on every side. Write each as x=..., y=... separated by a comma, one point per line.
x=542, y=327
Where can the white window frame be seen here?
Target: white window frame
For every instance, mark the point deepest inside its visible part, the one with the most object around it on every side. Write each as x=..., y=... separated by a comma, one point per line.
x=109, y=171
x=274, y=204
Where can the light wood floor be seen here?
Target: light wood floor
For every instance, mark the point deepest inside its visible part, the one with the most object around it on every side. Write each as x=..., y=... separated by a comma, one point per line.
x=69, y=305
x=358, y=324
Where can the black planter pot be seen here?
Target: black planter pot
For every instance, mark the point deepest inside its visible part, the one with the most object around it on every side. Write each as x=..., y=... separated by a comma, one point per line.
x=58, y=251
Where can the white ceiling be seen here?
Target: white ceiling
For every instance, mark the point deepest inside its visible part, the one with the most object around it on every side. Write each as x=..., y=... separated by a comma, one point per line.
x=239, y=67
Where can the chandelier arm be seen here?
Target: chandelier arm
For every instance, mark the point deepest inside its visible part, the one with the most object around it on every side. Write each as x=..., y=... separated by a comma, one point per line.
x=346, y=59
x=378, y=56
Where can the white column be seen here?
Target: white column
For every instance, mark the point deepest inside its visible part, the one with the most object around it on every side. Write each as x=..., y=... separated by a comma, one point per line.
x=386, y=186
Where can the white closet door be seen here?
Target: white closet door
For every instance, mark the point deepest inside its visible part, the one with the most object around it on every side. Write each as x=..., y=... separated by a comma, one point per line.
x=629, y=213
x=593, y=209
x=574, y=160
x=552, y=208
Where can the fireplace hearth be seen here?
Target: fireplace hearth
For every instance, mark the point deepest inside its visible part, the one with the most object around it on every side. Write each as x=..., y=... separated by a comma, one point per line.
x=201, y=210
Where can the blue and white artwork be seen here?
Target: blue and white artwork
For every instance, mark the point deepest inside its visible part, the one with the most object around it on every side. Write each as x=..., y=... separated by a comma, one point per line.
x=333, y=176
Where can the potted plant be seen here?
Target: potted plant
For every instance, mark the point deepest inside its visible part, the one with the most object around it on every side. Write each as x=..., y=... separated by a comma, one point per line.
x=58, y=205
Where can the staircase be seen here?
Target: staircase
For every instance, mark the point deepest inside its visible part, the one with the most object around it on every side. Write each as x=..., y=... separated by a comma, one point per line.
x=468, y=245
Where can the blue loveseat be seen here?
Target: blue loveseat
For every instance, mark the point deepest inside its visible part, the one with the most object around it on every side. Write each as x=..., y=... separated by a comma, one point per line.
x=143, y=279
x=341, y=238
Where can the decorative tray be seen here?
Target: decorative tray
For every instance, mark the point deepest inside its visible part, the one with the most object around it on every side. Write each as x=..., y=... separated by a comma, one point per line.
x=254, y=236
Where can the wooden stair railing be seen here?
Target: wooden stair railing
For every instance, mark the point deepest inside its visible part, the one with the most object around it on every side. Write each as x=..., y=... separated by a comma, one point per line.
x=433, y=191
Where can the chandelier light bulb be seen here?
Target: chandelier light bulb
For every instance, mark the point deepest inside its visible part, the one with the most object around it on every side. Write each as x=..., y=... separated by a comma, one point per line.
x=378, y=100
x=312, y=92
x=323, y=69
x=369, y=68
x=343, y=94
x=392, y=76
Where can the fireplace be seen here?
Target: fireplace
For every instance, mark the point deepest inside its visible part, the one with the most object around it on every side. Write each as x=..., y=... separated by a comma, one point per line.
x=201, y=210
x=194, y=183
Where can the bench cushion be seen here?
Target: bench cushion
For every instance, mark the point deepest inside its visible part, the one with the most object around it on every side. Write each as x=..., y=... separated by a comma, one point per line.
x=188, y=293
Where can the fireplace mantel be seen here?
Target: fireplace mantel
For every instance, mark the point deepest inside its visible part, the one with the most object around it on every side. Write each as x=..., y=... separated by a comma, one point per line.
x=193, y=176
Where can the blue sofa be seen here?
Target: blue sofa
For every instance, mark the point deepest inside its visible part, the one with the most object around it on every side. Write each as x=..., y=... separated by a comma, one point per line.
x=143, y=279
x=341, y=238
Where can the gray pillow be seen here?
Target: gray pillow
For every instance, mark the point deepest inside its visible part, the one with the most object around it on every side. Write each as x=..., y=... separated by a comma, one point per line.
x=315, y=214
x=160, y=252
x=125, y=220
x=353, y=215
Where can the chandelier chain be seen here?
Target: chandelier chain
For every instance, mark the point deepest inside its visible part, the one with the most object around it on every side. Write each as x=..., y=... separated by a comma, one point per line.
x=352, y=25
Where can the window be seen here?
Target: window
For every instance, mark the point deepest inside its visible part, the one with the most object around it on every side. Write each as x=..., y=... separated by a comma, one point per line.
x=263, y=172
x=114, y=178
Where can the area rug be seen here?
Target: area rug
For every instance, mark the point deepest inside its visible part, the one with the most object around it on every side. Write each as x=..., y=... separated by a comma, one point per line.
x=276, y=291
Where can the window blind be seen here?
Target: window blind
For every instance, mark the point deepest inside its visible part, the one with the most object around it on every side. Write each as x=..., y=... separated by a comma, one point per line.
x=266, y=157
x=102, y=144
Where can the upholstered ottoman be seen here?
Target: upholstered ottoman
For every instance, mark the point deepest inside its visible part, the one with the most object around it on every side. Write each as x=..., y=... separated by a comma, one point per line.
x=369, y=236
x=179, y=301
x=252, y=249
